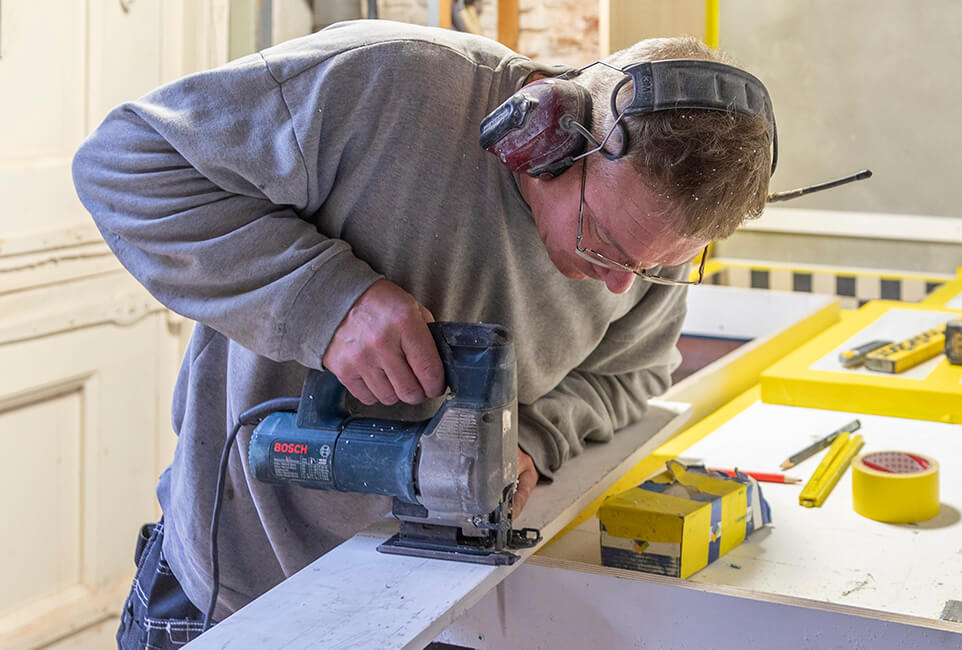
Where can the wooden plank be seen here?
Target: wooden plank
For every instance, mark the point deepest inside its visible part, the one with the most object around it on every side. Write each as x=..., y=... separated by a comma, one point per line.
x=444, y=14
x=623, y=23
x=509, y=29
x=355, y=597
x=549, y=603
x=439, y=13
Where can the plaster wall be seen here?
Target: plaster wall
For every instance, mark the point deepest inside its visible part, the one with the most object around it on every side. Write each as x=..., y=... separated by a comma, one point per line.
x=863, y=83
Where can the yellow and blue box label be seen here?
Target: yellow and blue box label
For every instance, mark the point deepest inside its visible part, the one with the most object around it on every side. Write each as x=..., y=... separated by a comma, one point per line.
x=679, y=521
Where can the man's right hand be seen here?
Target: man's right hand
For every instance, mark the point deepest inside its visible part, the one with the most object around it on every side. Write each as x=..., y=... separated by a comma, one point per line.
x=383, y=352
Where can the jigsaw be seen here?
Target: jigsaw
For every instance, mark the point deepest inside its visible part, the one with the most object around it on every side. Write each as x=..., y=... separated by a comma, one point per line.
x=453, y=476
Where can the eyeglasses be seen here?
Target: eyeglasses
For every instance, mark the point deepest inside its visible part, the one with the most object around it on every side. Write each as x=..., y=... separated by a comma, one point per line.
x=599, y=259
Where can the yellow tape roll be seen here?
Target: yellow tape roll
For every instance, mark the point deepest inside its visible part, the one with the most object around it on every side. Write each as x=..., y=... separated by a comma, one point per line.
x=895, y=486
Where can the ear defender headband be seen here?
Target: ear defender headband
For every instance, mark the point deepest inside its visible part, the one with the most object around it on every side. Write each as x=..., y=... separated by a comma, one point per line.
x=541, y=128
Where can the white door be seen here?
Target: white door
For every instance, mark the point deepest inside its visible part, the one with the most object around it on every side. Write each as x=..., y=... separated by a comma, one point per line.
x=87, y=357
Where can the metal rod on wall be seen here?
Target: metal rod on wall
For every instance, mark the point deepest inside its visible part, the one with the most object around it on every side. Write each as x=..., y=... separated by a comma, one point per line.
x=265, y=24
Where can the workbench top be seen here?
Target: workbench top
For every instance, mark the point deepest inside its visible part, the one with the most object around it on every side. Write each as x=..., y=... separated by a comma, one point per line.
x=831, y=553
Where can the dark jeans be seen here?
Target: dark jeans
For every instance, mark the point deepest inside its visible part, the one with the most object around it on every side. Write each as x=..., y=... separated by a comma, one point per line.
x=157, y=614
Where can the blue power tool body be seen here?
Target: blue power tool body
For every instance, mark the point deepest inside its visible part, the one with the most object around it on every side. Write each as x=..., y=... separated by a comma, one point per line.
x=453, y=476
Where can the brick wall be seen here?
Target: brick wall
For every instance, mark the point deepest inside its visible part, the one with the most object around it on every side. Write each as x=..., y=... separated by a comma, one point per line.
x=405, y=11
x=559, y=31
x=552, y=31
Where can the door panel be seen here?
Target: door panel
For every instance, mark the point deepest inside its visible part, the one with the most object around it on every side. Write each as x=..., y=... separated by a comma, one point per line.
x=78, y=423
x=42, y=438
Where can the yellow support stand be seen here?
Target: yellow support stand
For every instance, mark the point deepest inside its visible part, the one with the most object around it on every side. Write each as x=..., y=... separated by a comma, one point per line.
x=711, y=24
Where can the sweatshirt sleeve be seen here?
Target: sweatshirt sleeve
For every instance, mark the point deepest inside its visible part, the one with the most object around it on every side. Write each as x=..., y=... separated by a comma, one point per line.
x=201, y=189
x=610, y=389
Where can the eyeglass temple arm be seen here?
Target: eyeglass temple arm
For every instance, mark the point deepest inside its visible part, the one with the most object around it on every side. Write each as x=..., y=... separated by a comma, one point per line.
x=794, y=194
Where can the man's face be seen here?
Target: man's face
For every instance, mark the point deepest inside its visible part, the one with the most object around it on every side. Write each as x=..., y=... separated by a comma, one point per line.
x=621, y=221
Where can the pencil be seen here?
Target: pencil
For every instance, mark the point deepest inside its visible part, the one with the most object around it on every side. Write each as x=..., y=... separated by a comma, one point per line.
x=763, y=477
x=819, y=445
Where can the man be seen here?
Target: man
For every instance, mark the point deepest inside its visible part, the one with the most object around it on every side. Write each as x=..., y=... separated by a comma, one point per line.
x=318, y=204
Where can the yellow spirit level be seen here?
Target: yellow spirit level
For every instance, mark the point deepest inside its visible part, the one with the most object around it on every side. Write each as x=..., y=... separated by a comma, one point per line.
x=908, y=353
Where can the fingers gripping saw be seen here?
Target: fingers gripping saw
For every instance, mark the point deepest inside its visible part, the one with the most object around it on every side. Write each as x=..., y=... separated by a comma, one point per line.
x=453, y=477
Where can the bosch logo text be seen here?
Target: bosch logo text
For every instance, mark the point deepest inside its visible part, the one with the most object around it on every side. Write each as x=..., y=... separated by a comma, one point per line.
x=290, y=448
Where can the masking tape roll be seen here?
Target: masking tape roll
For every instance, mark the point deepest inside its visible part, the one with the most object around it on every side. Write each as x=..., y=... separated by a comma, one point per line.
x=895, y=486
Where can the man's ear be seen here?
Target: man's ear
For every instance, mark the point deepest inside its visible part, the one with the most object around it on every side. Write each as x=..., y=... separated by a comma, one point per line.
x=615, y=141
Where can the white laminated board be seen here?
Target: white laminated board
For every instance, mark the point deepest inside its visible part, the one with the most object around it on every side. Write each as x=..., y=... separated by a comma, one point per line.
x=355, y=597
x=832, y=554
x=739, y=313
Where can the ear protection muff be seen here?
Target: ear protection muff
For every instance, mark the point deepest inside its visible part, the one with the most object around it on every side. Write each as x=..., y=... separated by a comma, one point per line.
x=532, y=131
x=541, y=128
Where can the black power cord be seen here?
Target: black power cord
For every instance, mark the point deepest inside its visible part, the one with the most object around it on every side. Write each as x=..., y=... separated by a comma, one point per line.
x=251, y=416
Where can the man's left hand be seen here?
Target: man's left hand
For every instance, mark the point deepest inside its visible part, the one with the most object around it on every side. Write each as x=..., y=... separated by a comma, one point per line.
x=527, y=479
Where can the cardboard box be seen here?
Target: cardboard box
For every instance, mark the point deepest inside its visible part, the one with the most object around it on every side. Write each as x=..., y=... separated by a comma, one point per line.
x=679, y=521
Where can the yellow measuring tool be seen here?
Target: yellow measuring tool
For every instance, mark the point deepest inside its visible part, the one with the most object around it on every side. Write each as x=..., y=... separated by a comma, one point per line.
x=826, y=475
x=908, y=353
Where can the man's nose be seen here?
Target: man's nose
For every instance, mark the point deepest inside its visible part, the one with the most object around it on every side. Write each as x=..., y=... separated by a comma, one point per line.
x=618, y=281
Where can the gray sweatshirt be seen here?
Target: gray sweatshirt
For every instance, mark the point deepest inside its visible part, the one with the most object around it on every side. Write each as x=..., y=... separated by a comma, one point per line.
x=261, y=199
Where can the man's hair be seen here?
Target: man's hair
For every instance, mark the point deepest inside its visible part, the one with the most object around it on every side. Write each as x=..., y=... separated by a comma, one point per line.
x=712, y=167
